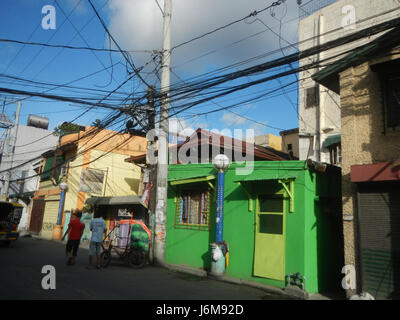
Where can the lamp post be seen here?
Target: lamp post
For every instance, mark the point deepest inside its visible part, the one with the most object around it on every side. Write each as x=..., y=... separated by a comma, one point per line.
x=221, y=163
x=57, y=228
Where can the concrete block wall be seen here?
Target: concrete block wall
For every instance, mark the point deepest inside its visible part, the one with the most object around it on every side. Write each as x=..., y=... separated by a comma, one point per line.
x=364, y=140
x=330, y=19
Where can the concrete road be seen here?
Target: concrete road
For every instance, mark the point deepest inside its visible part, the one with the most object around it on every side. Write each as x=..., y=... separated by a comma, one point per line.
x=20, y=278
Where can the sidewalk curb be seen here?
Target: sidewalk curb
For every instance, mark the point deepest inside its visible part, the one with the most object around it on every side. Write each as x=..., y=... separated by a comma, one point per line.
x=193, y=271
x=202, y=273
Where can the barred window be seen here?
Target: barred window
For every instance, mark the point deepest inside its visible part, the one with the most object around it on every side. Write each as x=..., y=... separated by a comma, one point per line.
x=193, y=209
x=312, y=97
x=92, y=181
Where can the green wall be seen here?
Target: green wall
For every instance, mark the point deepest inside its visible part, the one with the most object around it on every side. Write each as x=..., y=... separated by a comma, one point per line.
x=309, y=232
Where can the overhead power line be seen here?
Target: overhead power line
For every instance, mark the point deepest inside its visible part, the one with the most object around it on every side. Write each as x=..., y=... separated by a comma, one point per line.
x=71, y=47
x=124, y=54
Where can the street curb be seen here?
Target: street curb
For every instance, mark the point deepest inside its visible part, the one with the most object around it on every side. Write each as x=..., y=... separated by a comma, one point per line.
x=228, y=279
x=186, y=269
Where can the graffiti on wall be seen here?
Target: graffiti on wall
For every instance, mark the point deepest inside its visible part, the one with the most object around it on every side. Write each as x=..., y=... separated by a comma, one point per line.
x=48, y=226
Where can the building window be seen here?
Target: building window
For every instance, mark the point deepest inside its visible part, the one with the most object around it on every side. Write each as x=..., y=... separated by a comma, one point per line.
x=92, y=181
x=193, y=209
x=335, y=151
x=392, y=99
x=312, y=97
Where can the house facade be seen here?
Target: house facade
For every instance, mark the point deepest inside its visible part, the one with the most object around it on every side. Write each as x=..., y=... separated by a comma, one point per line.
x=319, y=108
x=31, y=141
x=369, y=87
x=269, y=140
x=91, y=163
x=279, y=220
x=290, y=142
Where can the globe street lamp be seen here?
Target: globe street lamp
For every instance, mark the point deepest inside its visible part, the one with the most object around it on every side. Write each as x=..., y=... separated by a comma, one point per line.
x=221, y=163
x=57, y=228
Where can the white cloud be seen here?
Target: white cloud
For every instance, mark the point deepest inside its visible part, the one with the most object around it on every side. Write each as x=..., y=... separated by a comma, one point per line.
x=178, y=126
x=137, y=25
x=259, y=129
x=231, y=119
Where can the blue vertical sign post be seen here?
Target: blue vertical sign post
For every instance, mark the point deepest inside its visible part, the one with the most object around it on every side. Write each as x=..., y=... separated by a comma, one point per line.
x=60, y=207
x=220, y=207
x=57, y=234
x=221, y=163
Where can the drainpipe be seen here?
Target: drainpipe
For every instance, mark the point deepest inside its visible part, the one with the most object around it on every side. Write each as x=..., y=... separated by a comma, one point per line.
x=320, y=111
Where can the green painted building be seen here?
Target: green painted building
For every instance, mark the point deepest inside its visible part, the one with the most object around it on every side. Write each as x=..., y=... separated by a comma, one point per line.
x=279, y=220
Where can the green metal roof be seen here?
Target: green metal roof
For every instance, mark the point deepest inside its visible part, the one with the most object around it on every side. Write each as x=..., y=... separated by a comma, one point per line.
x=110, y=201
x=329, y=76
x=268, y=175
x=331, y=140
x=194, y=179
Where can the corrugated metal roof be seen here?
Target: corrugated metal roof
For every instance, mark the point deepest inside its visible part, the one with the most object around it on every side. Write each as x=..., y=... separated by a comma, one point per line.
x=268, y=175
x=110, y=201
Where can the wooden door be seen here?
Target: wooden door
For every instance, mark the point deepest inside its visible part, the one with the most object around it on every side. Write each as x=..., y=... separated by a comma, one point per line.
x=37, y=213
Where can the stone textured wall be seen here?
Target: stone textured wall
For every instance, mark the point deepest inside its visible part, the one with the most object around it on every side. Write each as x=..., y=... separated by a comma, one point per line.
x=363, y=139
x=328, y=22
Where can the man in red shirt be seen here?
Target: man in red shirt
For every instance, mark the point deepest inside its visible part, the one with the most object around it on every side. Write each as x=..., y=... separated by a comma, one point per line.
x=74, y=231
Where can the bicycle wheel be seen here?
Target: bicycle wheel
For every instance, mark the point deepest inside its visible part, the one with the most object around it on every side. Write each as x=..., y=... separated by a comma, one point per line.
x=137, y=259
x=105, y=258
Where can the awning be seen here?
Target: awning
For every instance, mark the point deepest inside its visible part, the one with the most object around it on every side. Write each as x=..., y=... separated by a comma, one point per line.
x=111, y=201
x=286, y=179
x=268, y=175
x=331, y=141
x=193, y=179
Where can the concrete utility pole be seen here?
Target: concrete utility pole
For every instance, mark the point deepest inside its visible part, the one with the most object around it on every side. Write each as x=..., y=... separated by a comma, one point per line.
x=14, y=141
x=162, y=162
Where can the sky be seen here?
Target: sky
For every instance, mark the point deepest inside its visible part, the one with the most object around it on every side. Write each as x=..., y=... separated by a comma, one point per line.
x=137, y=26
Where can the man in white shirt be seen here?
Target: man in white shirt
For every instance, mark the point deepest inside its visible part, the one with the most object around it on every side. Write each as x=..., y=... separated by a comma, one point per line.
x=99, y=228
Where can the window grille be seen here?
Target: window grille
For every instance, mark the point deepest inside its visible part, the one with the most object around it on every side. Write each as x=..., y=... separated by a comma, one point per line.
x=312, y=97
x=193, y=210
x=92, y=181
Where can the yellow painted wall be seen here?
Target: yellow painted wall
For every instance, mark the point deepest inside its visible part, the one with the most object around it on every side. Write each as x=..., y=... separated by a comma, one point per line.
x=73, y=180
x=275, y=142
x=122, y=178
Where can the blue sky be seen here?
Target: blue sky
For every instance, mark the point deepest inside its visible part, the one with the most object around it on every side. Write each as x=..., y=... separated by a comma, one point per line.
x=137, y=26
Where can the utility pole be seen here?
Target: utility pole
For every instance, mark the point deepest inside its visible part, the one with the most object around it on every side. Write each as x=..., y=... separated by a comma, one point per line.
x=14, y=141
x=162, y=162
x=151, y=168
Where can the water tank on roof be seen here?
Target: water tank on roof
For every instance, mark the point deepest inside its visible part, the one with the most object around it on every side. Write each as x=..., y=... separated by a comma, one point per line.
x=38, y=122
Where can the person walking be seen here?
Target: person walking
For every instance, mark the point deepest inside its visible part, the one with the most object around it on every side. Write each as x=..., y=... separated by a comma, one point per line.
x=74, y=232
x=99, y=228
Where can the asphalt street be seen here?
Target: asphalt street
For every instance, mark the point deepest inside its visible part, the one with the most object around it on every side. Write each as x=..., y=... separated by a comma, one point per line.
x=21, y=278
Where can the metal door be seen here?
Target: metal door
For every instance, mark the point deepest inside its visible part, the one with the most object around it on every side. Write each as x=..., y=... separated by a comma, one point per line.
x=379, y=226
x=37, y=212
x=270, y=234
